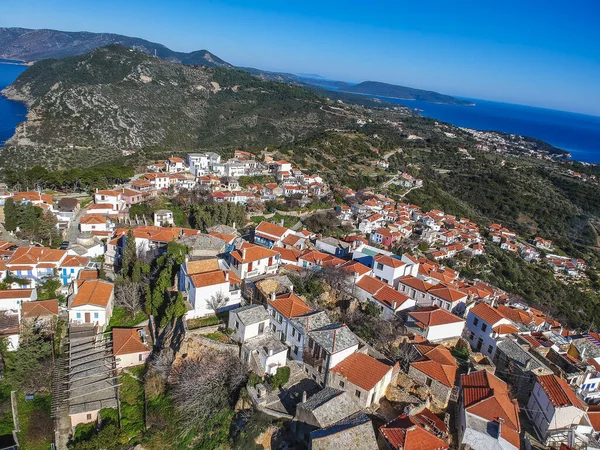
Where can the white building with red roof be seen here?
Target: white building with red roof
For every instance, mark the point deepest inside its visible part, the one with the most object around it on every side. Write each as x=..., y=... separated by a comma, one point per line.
x=111, y=197
x=175, y=165
x=35, y=264
x=253, y=260
x=390, y=269
x=485, y=326
x=435, y=324
x=130, y=346
x=269, y=234
x=556, y=411
x=366, y=378
x=210, y=288
x=371, y=223
x=389, y=300
x=487, y=417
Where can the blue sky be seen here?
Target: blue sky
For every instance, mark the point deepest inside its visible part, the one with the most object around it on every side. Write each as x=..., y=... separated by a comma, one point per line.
x=539, y=53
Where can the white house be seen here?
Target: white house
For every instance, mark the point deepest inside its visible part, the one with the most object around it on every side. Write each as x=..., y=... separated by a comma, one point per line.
x=485, y=326
x=487, y=417
x=448, y=298
x=268, y=234
x=130, y=346
x=163, y=217
x=389, y=269
x=175, y=165
x=209, y=288
x=389, y=300
x=366, y=378
x=110, y=197
x=92, y=302
x=416, y=288
x=70, y=267
x=298, y=328
x=253, y=260
x=11, y=299
x=371, y=223
x=281, y=310
x=35, y=264
x=248, y=322
x=555, y=410
x=95, y=222
x=435, y=324
x=264, y=354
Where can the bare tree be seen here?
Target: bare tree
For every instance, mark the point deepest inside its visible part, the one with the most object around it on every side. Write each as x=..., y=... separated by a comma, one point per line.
x=129, y=295
x=162, y=362
x=339, y=279
x=204, y=385
x=217, y=301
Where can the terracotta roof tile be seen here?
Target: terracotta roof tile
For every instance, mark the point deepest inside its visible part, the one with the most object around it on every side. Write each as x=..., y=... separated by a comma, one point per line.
x=93, y=292
x=127, y=341
x=406, y=433
x=290, y=305
x=251, y=252
x=40, y=308
x=559, y=392
x=271, y=229
x=362, y=370
x=486, y=313
x=434, y=316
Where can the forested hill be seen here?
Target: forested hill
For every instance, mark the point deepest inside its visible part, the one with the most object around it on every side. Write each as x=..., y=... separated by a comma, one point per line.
x=403, y=92
x=88, y=109
x=33, y=45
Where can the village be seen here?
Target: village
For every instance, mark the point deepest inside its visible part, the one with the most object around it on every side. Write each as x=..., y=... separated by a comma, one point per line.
x=365, y=338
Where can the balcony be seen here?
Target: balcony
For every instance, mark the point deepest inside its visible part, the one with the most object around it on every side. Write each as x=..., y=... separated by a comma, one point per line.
x=252, y=273
x=272, y=268
x=312, y=358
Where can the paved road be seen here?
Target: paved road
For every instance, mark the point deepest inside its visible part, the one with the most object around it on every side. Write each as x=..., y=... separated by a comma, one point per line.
x=73, y=230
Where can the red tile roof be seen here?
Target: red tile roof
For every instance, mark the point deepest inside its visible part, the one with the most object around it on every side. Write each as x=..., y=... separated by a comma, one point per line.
x=486, y=396
x=389, y=261
x=362, y=370
x=486, y=313
x=505, y=328
x=439, y=364
x=270, y=229
x=15, y=293
x=40, y=308
x=210, y=278
x=406, y=433
x=290, y=305
x=447, y=293
x=355, y=267
x=434, y=316
x=251, y=252
x=416, y=283
x=558, y=391
x=127, y=341
x=93, y=292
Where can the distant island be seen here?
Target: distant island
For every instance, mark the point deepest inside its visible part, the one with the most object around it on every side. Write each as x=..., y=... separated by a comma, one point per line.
x=403, y=93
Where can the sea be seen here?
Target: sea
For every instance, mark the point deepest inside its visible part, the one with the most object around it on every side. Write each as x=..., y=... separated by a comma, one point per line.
x=11, y=113
x=579, y=134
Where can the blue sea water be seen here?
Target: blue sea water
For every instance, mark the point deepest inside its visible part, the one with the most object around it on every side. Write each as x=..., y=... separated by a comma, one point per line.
x=579, y=134
x=11, y=113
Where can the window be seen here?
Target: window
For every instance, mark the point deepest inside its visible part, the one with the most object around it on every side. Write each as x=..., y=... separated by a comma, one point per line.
x=78, y=315
x=280, y=318
x=379, y=266
x=95, y=315
x=140, y=357
x=237, y=325
x=357, y=393
x=483, y=326
x=490, y=349
x=428, y=382
x=72, y=270
x=295, y=349
x=471, y=336
x=261, y=328
x=342, y=384
x=475, y=320
x=89, y=417
x=293, y=332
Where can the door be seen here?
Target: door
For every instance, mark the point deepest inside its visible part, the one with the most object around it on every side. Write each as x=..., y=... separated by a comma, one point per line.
x=87, y=317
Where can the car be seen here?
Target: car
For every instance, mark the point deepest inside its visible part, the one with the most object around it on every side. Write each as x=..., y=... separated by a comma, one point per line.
x=64, y=245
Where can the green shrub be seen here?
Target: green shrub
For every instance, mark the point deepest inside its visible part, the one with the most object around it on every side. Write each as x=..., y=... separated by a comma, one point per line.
x=254, y=379
x=281, y=377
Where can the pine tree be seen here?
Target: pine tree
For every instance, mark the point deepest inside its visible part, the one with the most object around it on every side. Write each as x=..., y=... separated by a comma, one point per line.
x=129, y=253
x=11, y=219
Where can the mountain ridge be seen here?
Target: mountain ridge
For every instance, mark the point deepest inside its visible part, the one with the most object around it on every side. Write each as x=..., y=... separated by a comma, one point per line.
x=32, y=45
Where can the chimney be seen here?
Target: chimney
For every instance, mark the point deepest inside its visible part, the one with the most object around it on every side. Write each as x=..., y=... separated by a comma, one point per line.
x=272, y=295
x=281, y=222
x=227, y=275
x=394, y=305
x=292, y=289
x=233, y=225
x=75, y=287
x=355, y=276
x=96, y=190
x=243, y=253
x=303, y=396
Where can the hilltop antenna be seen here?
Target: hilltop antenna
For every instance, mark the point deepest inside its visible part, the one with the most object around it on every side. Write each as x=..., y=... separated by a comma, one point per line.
x=155, y=53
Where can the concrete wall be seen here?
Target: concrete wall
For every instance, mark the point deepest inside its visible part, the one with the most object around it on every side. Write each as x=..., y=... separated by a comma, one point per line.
x=132, y=359
x=76, y=419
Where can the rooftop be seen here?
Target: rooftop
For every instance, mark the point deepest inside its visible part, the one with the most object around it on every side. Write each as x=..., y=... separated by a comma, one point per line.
x=251, y=314
x=362, y=370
